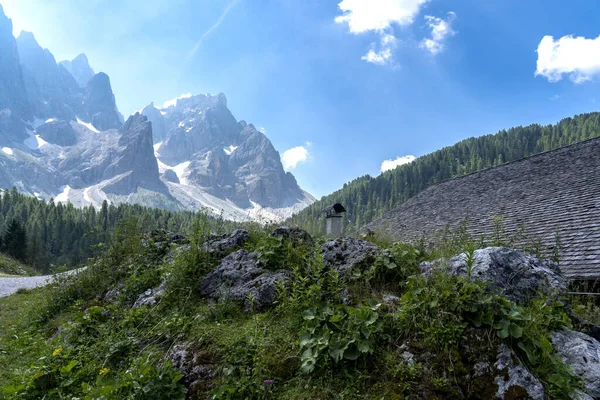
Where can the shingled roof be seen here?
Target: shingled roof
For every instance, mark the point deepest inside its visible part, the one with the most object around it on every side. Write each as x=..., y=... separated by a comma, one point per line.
x=556, y=192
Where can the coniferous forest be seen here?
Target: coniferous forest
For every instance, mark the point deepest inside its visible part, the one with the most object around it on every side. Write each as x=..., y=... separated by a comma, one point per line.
x=46, y=234
x=367, y=198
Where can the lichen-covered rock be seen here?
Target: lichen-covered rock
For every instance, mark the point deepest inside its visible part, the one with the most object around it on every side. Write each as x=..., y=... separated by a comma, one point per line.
x=513, y=273
x=113, y=294
x=346, y=254
x=239, y=277
x=151, y=296
x=221, y=245
x=513, y=380
x=582, y=353
x=296, y=235
x=195, y=365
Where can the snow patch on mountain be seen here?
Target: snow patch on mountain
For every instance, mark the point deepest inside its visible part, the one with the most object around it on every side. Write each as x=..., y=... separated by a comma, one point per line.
x=64, y=196
x=34, y=142
x=88, y=125
x=230, y=149
x=182, y=172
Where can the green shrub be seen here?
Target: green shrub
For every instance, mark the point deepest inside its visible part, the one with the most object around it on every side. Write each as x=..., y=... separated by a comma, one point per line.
x=338, y=333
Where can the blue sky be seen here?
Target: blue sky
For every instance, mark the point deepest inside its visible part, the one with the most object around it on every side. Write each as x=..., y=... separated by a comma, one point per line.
x=347, y=84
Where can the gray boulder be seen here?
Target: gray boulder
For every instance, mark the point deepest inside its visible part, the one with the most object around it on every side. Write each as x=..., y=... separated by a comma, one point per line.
x=195, y=365
x=239, y=277
x=513, y=273
x=221, y=245
x=151, y=296
x=513, y=379
x=296, y=235
x=346, y=254
x=170, y=176
x=582, y=353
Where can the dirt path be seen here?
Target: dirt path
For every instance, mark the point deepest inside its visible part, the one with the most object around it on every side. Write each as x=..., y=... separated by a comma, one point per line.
x=10, y=284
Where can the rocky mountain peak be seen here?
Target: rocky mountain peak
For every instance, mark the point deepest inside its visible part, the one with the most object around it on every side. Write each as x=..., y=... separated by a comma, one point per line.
x=27, y=39
x=80, y=69
x=13, y=93
x=100, y=103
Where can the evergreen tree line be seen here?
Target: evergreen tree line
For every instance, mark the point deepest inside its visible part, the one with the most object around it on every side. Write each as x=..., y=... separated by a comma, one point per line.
x=367, y=198
x=45, y=233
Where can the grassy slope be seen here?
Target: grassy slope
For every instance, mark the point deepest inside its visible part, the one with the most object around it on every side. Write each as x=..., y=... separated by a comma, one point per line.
x=10, y=266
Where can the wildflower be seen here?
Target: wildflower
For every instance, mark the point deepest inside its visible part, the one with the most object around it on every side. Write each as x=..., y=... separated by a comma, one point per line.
x=268, y=382
x=56, y=352
x=104, y=371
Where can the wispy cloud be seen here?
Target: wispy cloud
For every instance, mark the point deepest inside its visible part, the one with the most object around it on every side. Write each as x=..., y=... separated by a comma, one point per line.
x=441, y=29
x=554, y=97
x=391, y=164
x=229, y=7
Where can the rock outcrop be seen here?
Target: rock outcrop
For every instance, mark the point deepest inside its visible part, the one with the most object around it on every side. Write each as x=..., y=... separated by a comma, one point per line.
x=514, y=380
x=582, y=354
x=58, y=132
x=222, y=245
x=347, y=254
x=513, y=273
x=240, y=277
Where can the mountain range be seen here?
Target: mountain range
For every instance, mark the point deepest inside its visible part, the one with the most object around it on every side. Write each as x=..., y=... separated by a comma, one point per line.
x=62, y=137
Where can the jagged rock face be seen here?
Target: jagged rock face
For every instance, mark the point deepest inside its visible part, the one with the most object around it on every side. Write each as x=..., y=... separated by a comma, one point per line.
x=233, y=160
x=54, y=91
x=513, y=273
x=100, y=103
x=13, y=92
x=80, y=69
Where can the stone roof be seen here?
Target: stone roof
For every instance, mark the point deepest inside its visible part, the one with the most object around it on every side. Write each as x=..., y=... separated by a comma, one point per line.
x=548, y=194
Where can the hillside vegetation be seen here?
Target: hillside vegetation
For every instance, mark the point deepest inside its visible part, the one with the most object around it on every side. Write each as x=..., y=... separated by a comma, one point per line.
x=264, y=315
x=368, y=198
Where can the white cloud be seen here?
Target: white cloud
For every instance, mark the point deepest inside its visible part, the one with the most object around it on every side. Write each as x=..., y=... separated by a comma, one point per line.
x=294, y=156
x=391, y=164
x=262, y=129
x=554, y=97
x=441, y=29
x=378, y=16
x=576, y=57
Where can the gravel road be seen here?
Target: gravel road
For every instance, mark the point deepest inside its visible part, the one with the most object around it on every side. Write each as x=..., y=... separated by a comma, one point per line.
x=10, y=284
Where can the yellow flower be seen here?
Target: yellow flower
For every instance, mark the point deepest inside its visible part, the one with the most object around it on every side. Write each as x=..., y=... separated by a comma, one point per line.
x=56, y=352
x=104, y=371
